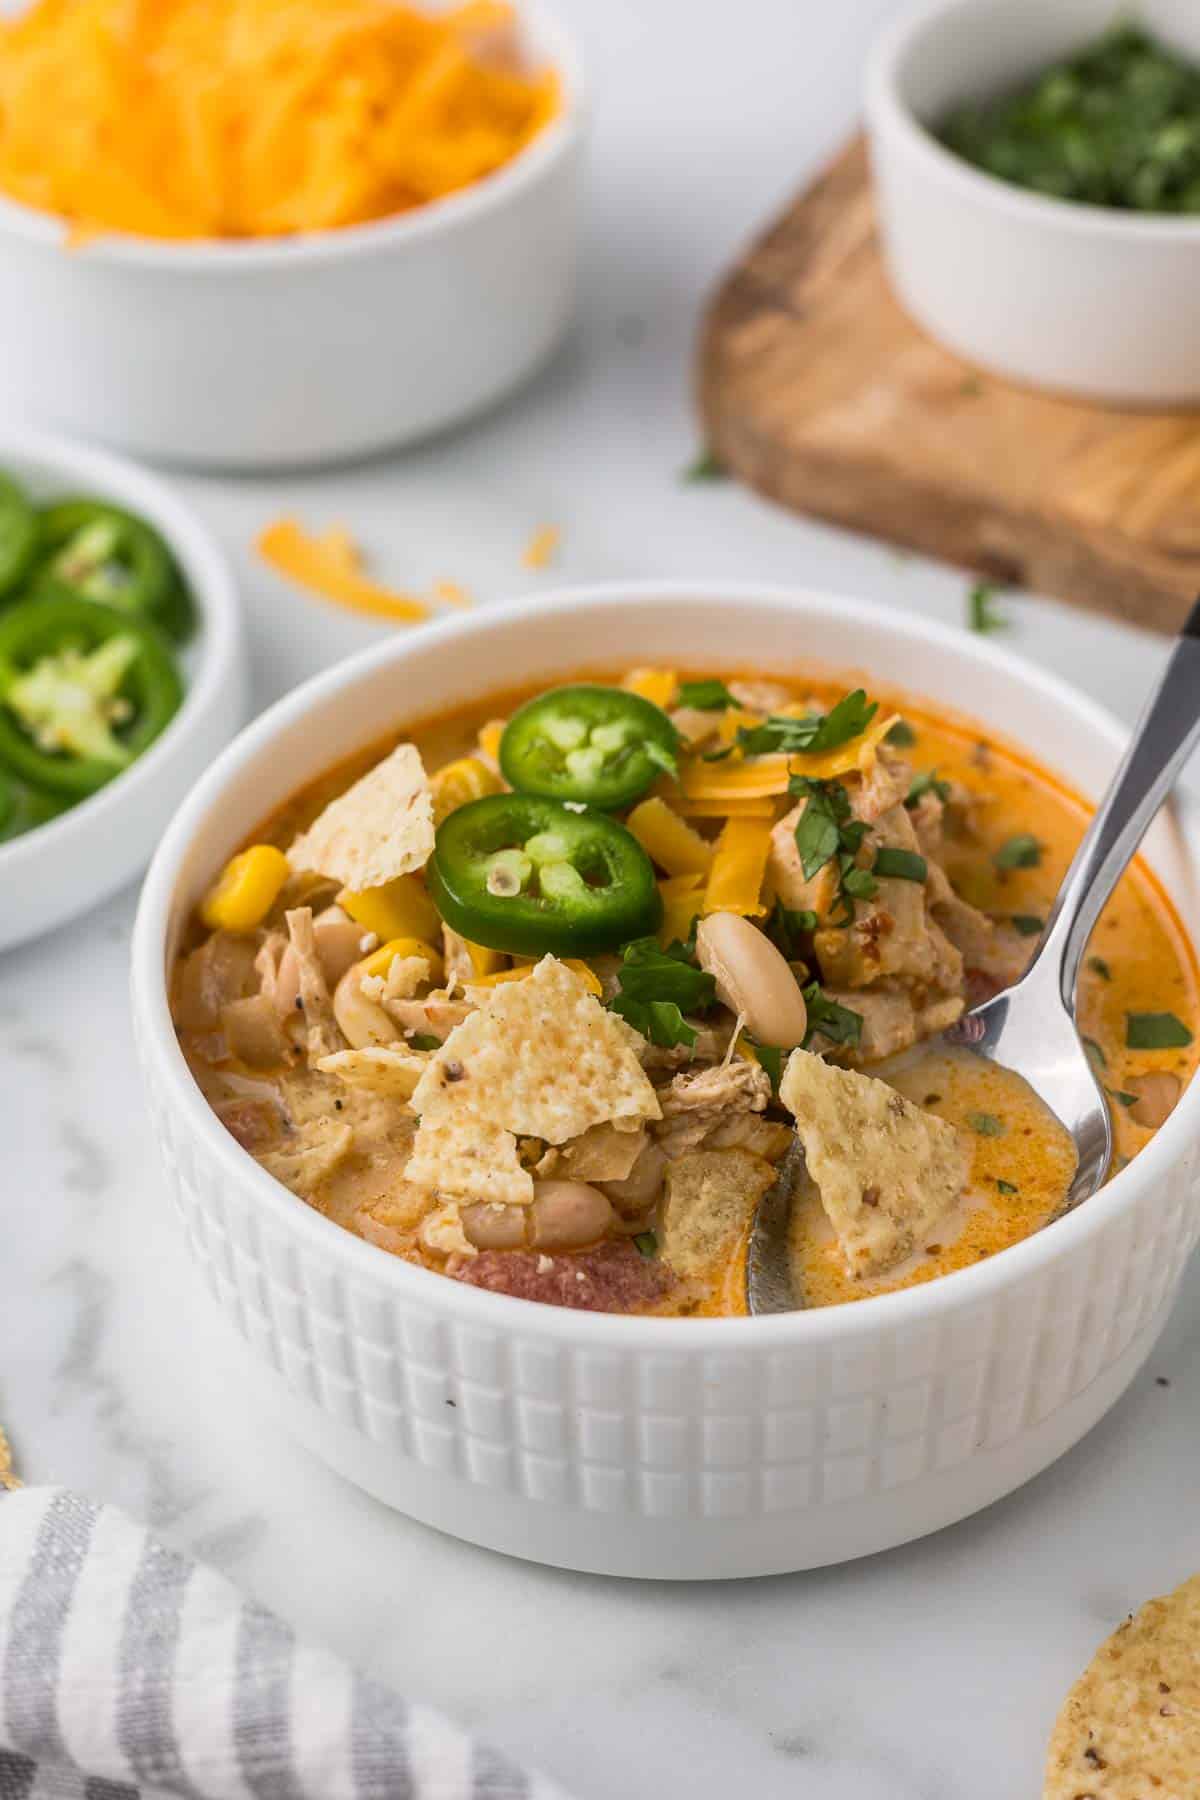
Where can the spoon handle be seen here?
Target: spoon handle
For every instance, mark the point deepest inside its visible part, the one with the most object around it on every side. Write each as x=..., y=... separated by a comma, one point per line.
x=1165, y=736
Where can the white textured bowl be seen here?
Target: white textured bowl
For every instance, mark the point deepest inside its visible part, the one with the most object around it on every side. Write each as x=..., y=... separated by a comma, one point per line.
x=288, y=351
x=79, y=858
x=1078, y=299
x=643, y=1446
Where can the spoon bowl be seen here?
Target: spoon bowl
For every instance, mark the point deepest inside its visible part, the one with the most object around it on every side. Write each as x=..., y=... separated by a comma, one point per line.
x=1030, y=1027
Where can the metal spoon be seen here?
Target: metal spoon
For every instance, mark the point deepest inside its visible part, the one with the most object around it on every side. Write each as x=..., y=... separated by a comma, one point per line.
x=1030, y=1027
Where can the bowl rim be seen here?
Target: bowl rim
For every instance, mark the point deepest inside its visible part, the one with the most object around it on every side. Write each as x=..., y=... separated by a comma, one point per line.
x=175, y=1086
x=888, y=111
x=220, y=256
x=110, y=476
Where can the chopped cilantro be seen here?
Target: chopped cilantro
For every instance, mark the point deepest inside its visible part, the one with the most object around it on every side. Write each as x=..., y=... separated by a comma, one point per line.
x=981, y=613
x=900, y=865
x=424, y=1040
x=902, y=735
x=706, y=466
x=1122, y=1099
x=1099, y=967
x=812, y=735
x=770, y=1057
x=786, y=927
x=860, y=884
x=1028, y=924
x=825, y=830
x=1093, y=1049
x=656, y=987
x=927, y=782
x=1020, y=852
x=828, y=1019
x=646, y=1243
x=706, y=696
x=1007, y=1187
x=986, y=1124
x=1155, y=1031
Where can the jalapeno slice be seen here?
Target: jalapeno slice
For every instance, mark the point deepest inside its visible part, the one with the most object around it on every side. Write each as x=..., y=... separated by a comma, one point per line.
x=83, y=691
x=107, y=554
x=19, y=535
x=601, y=745
x=523, y=873
x=24, y=808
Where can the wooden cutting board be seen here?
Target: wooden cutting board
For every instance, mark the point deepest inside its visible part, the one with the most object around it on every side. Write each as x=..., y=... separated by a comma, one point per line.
x=816, y=389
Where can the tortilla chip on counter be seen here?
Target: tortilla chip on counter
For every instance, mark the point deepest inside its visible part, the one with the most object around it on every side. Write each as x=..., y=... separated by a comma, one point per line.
x=886, y=1170
x=1130, y=1727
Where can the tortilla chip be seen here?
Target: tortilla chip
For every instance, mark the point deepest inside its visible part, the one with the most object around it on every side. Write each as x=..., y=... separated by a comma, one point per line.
x=601, y=1154
x=380, y=828
x=886, y=1171
x=1130, y=1727
x=711, y=1196
x=461, y=1156
x=9, y=1479
x=304, y=1165
x=543, y=1059
x=380, y=1069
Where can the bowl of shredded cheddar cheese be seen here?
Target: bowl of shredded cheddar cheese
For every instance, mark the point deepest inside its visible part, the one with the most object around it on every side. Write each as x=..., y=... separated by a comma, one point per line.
x=276, y=232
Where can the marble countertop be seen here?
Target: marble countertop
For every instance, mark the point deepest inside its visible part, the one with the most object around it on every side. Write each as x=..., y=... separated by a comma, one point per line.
x=931, y=1673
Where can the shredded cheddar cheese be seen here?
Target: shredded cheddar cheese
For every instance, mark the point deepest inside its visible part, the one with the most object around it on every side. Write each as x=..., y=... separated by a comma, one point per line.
x=735, y=880
x=542, y=547
x=330, y=566
x=256, y=118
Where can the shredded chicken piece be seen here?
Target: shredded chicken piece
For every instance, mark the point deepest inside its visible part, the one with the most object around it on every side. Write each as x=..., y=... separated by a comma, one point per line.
x=762, y=696
x=712, y=1041
x=697, y=1103
x=884, y=786
x=459, y=967
x=436, y=1015
x=323, y=1034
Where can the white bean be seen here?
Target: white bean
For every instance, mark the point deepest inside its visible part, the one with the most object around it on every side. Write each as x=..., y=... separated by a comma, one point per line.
x=568, y=1214
x=1156, y=1095
x=753, y=979
x=641, y=1187
x=361, y=1020
x=490, y=1225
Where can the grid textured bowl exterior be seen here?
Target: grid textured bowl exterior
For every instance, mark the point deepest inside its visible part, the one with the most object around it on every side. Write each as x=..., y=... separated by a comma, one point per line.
x=642, y=1446
x=610, y=1436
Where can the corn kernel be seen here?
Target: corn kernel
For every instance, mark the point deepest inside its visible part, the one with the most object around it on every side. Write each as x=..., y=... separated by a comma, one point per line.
x=659, y=686
x=484, y=961
x=589, y=978
x=246, y=889
x=380, y=961
x=399, y=909
x=461, y=781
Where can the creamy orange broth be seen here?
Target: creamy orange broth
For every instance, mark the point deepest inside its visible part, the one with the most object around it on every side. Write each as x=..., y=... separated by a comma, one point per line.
x=1140, y=960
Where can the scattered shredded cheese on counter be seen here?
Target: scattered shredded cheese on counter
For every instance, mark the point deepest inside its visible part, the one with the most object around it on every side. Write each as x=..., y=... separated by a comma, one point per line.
x=257, y=118
x=331, y=566
x=542, y=547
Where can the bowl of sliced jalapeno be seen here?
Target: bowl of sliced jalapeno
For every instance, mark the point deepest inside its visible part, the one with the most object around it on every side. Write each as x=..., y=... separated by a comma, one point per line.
x=121, y=673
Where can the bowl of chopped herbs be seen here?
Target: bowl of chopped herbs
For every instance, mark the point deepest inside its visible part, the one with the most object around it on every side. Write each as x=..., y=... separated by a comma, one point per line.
x=1037, y=172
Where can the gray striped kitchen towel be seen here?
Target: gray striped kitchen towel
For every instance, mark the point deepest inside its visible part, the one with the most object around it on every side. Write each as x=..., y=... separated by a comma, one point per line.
x=128, y=1672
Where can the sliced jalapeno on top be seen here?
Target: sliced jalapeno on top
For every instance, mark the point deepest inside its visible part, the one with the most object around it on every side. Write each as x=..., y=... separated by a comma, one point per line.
x=601, y=745
x=107, y=554
x=83, y=691
x=523, y=873
x=18, y=535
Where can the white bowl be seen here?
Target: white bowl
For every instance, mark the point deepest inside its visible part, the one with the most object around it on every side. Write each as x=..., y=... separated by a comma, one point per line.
x=644, y=1446
x=1078, y=299
x=288, y=351
x=79, y=858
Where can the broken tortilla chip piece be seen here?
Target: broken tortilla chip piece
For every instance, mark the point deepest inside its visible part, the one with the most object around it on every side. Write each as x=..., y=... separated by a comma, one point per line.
x=379, y=1069
x=380, y=828
x=543, y=1059
x=1130, y=1726
x=711, y=1197
x=886, y=1171
x=304, y=1166
x=462, y=1156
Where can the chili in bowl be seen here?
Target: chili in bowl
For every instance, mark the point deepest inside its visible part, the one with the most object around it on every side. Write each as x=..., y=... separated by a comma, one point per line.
x=525, y=995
